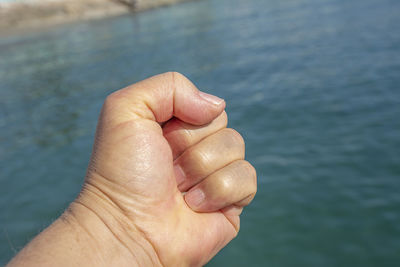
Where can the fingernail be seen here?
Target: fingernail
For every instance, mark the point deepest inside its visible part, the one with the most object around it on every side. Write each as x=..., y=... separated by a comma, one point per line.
x=179, y=174
x=195, y=198
x=211, y=98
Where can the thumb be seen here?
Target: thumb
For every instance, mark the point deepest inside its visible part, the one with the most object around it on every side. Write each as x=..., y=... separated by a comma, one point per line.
x=162, y=97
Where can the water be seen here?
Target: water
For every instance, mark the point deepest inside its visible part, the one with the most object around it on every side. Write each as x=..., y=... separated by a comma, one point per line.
x=313, y=86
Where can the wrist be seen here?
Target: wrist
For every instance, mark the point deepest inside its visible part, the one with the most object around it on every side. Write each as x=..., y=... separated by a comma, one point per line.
x=112, y=236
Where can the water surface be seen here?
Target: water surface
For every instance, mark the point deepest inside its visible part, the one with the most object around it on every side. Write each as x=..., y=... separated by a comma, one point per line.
x=313, y=86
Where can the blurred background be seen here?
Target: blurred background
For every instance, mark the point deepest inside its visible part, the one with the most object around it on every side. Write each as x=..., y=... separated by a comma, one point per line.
x=313, y=86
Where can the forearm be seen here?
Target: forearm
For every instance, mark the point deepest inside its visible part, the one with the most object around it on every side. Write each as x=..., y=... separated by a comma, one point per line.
x=64, y=242
x=86, y=235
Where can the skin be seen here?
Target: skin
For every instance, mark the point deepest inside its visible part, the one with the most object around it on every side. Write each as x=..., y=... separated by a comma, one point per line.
x=165, y=185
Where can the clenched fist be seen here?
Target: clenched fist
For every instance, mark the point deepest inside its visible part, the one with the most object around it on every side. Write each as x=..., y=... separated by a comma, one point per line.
x=165, y=186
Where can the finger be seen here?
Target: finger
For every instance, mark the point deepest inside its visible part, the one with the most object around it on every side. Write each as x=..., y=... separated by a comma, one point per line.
x=204, y=158
x=160, y=98
x=181, y=135
x=232, y=210
x=232, y=213
x=235, y=184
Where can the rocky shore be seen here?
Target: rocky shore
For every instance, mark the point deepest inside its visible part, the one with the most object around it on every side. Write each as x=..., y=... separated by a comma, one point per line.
x=35, y=14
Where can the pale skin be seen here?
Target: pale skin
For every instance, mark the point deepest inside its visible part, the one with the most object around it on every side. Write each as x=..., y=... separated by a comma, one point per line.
x=165, y=185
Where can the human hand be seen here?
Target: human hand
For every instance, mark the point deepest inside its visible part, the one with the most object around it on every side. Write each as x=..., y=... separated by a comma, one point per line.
x=133, y=167
x=155, y=140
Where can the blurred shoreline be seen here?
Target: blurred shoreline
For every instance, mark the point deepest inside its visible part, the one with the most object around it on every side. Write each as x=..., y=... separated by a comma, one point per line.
x=25, y=15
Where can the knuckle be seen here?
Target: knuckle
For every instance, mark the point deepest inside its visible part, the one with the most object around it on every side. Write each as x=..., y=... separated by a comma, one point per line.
x=246, y=201
x=224, y=186
x=233, y=136
x=176, y=76
x=201, y=158
x=249, y=199
x=251, y=174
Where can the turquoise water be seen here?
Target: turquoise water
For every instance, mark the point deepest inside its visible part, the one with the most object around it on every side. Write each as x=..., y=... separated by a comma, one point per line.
x=313, y=86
